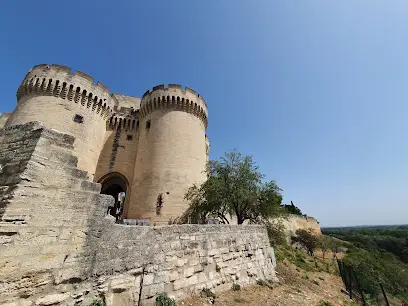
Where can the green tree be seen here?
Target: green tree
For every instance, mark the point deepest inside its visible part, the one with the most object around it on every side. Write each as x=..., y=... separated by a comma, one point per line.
x=325, y=244
x=234, y=187
x=292, y=209
x=307, y=239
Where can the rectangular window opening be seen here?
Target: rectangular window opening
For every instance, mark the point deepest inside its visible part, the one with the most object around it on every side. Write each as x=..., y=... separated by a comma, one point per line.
x=129, y=137
x=148, y=124
x=78, y=118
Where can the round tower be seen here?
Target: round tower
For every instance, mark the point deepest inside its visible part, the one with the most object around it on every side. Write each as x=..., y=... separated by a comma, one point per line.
x=171, y=154
x=67, y=102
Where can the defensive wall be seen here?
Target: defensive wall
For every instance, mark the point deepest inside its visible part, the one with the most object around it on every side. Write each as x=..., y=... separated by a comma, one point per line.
x=154, y=147
x=58, y=246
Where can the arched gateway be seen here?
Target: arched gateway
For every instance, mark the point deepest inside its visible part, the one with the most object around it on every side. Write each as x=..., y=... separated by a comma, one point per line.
x=112, y=184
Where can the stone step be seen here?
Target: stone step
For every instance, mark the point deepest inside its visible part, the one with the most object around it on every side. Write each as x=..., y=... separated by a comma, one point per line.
x=50, y=173
x=59, y=157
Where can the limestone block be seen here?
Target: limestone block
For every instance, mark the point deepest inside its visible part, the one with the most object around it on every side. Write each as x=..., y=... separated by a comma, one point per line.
x=152, y=290
x=188, y=271
x=68, y=275
x=148, y=279
x=173, y=275
x=213, y=252
x=193, y=261
x=136, y=271
x=52, y=299
x=180, y=283
x=120, y=298
x=193, y=280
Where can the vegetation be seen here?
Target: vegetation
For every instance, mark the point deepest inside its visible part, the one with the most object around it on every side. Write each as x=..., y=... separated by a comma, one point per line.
x=307, y=239
x=292, y=209
x=378, y=255
x=393, y=239
x=236, y=287
x=276, y=233
x=324, y=303
x=97, y=303
x=163, y=300
x=234, y=188
x=207, y=293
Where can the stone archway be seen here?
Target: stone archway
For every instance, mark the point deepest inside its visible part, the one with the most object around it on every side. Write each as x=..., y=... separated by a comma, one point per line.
x=113, y=183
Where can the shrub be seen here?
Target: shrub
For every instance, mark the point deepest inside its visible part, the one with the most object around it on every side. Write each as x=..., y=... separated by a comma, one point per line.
x=98, y=303
x=324, y=303
x=235, y=287
x=163, y=300
x=261, y=282
x=207, y=293
x=276, y=234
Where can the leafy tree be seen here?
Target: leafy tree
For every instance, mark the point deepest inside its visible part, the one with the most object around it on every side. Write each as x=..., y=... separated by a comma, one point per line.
x=307, y=239
x=234, y=187
x=292, y=209
x=276, y=232
x=325, y=243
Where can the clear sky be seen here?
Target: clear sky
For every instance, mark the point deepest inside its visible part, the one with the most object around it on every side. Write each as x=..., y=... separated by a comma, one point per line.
x=316, y=91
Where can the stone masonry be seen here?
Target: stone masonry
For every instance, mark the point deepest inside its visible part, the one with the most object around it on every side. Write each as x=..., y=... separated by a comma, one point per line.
x=58, y=246
x=153, y=147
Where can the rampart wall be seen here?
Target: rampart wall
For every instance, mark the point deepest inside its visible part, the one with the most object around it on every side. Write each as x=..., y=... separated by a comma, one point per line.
x=57, y=246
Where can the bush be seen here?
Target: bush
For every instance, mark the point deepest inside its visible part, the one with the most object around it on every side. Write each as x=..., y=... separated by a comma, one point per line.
x=276, y=234
x=261, y=282
x=163, y=300
x=207, y=293
x=98, y=303
x=324, y=303
x=235, y=287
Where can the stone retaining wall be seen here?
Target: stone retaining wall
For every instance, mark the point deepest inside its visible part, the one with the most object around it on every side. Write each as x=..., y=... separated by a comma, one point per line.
x=58, y=246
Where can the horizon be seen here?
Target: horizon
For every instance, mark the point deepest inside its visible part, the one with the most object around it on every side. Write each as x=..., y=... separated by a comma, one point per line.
x=314, y=91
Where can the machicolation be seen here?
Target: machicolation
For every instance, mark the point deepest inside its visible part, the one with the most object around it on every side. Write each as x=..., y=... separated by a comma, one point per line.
x=89, y=182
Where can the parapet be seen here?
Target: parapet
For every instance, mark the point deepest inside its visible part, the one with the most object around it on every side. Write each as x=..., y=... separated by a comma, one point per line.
x=176, y=97
x=59, y=81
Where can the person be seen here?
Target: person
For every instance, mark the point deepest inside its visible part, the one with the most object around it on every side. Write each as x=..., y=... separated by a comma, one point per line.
x=121, y=201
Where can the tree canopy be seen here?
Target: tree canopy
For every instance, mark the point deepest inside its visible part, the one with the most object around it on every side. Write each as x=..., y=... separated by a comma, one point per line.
x=234, y=188
x=292, y=209
x=307, y=239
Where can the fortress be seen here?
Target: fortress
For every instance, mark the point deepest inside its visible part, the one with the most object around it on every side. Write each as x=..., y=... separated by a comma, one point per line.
x=153, y=148
x=66, y=151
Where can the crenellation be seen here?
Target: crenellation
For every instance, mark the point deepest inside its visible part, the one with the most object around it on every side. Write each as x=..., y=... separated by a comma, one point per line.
x=84, y=76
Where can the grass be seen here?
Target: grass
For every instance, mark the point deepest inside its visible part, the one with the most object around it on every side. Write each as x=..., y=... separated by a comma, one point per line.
x=305, y=262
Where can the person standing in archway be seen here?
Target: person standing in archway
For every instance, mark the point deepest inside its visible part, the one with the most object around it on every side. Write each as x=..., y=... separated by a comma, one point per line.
x=121, y=201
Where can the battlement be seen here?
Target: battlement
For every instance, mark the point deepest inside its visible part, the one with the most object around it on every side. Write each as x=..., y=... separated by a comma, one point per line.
x=174, y=96
x=176, y=87
x=59, y=81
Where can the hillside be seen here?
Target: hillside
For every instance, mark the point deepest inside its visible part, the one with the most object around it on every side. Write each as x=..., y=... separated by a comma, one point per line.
x=304, y=280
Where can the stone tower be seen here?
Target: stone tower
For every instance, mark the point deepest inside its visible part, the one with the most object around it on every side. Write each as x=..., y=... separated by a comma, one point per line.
x=70, y=103
x=154, y=148
x=171, y=152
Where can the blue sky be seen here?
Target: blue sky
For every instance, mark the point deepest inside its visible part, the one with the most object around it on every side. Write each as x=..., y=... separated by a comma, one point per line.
x=316, y=91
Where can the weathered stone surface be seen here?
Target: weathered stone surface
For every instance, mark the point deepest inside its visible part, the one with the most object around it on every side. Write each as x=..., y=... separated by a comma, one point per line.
x=58, y=247
x=52, y=299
